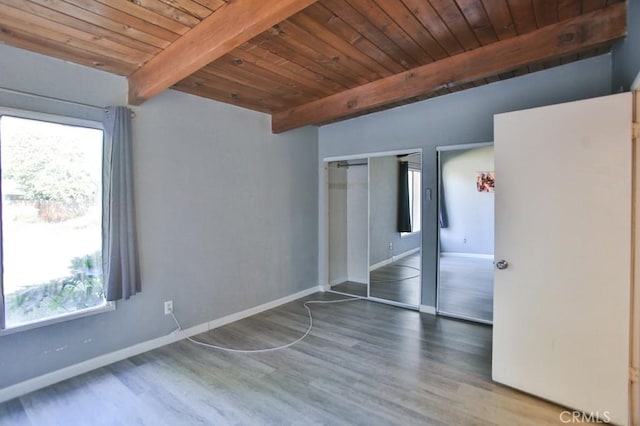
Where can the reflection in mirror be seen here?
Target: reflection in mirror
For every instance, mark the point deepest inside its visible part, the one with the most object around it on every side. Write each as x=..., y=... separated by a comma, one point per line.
x=395, y=228
x=466, y=219
x=348, y=187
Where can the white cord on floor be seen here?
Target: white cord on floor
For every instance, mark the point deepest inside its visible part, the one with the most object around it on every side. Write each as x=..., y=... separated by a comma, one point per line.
x=276, y=348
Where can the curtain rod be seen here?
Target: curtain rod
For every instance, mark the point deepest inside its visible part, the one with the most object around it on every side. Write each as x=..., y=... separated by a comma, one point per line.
x=50, y=98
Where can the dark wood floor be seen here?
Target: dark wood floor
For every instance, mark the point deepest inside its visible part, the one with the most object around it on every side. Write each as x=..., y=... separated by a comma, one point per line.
x=352, y=288
x=466, y=287
x=364, y=363
x=399, y=281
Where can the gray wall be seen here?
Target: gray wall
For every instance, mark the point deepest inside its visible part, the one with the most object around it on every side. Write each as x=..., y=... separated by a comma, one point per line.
x=383, y=215
x=463, y=117
x=470, y=213
x=227, y=213
x=626, y=53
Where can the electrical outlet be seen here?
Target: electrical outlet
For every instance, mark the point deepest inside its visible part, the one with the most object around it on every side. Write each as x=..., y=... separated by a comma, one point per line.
x=168, y=307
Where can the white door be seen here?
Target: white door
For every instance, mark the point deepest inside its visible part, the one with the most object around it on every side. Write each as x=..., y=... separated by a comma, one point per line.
x=563, y=224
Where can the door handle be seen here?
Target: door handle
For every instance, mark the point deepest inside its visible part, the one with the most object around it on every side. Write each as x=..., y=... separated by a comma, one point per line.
x=502, y=264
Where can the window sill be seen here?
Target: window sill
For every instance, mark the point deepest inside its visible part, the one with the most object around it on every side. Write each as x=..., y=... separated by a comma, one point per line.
x=409, y=234
x=107, y=307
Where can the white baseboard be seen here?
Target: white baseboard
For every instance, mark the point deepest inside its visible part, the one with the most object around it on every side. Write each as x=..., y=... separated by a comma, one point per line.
x=426, y=309
x=49, y=379
x=393, y=259
x=380, y=264
x=337, y=281
x=473, y=255
x=406, y=253
x=359, y=280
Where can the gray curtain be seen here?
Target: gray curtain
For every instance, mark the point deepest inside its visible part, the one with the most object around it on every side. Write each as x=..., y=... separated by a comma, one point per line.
x=404, y=212
x=119, y=246
x=443, y=215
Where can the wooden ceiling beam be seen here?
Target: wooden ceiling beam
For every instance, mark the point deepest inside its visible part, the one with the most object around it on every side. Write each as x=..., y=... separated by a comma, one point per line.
x=554, y=41
x=227, y=28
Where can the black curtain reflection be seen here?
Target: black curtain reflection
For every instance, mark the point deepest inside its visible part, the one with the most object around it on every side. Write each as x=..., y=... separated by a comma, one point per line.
x=404, y=212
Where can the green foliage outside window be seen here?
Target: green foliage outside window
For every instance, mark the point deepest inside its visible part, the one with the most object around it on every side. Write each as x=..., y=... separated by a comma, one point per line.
x=82, y=289
x=53, y=174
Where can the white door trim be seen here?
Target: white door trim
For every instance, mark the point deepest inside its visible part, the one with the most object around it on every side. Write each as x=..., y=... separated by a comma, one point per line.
x=634, y=409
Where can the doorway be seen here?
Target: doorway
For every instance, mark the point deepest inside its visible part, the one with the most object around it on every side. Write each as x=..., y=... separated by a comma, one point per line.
x=466, y=232
x=348, y=227
x=371, y=252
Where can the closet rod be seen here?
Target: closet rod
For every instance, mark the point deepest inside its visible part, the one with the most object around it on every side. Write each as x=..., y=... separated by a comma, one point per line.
x=347, y=165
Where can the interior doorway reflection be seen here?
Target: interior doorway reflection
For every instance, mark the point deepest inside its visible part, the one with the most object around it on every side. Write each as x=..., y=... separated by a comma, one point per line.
x=466, y=232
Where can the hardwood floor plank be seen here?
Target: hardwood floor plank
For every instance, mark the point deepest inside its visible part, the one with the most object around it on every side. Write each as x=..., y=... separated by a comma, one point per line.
x=352, y=288
x=363, y=363
x=399, y=281
x=466, y=287
x=114, y=394
x=69, y=402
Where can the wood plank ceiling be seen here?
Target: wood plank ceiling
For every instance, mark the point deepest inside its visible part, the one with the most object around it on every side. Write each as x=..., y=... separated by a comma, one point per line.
x=314, y=62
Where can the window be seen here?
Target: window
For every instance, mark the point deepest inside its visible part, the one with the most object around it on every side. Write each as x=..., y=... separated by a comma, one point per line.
x=414, y=200
x=51, y=245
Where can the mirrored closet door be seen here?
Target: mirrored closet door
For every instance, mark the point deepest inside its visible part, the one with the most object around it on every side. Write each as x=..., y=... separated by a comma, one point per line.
x=466, y=232
x=375, y=227
x=348, y=226
x=395, y=236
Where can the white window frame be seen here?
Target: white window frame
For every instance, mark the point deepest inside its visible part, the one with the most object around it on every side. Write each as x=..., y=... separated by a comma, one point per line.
x=411, y=205
x=108, y=306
